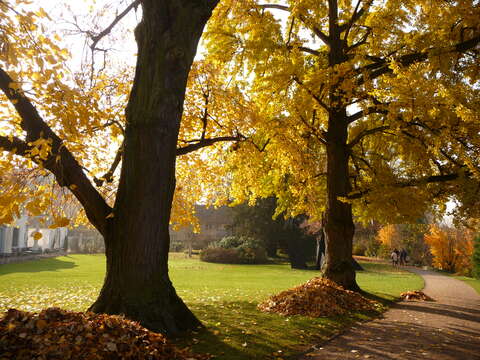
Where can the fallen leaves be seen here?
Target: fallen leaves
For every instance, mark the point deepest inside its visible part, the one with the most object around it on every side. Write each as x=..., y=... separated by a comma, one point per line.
x=415, y=295
x=317, y=297
x=60, y=334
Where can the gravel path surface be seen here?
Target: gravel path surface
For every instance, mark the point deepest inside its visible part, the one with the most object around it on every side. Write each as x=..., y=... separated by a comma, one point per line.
x=447, y=329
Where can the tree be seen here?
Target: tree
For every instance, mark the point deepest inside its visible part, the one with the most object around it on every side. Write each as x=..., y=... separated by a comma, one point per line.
x=256, y=221
x=48, y=108
x=369, y=107
x=276, y=232
x=451, y=248
x=389, y=237
x=476, y=258
x=413, y=240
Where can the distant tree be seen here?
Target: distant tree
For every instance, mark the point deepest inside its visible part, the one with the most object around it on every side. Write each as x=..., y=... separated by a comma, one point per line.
x=389, y=237
x=257, y=221
x=413, y=241
x=364, y=240
x=451, y=248
x=275, y=232
x=476, y=258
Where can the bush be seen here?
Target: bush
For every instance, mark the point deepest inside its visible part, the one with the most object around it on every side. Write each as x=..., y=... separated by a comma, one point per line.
x=235, y=250
x=220, y=255
x=359, y=249
x=476, y=258
x=372, y=247
x=250, y=255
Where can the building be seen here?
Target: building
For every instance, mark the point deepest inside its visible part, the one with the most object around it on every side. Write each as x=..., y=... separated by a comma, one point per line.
x=215, y=223
x=18, y=237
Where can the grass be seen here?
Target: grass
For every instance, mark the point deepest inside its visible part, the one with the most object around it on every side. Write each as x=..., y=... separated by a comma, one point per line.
x=224, y=297
x=474, y=283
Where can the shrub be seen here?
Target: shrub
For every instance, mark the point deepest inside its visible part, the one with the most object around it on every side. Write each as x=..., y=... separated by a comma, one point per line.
x=220, y=255
x=372, y=247
x=476, y=258
x=251, y=255
x=359, y=249
x=235, y=250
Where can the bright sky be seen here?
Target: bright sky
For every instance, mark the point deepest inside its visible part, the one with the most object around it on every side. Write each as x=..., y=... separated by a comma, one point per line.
x=96, y=15
x=72, y=17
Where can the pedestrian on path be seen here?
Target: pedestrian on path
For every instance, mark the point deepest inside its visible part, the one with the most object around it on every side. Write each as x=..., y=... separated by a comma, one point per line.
x=394, y=256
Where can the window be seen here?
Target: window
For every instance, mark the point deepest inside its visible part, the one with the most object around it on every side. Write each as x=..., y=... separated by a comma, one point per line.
x=16, y=234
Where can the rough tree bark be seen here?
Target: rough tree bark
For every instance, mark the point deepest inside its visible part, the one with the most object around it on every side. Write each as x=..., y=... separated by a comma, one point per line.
x=137, y=238
x=339, y=227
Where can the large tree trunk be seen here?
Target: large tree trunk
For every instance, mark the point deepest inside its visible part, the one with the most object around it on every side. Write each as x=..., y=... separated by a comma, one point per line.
x=339, y=227
x=137, y=237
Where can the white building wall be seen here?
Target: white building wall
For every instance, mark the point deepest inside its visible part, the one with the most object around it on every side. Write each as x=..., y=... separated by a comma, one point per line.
x=23, y=231
x=7, y=240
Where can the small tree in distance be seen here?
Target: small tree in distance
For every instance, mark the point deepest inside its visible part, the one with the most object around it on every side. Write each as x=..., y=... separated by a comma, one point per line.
x=476, y=257
x=451, y=248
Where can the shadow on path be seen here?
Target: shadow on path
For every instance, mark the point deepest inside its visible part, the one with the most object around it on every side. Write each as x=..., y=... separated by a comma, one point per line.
x=448, y=329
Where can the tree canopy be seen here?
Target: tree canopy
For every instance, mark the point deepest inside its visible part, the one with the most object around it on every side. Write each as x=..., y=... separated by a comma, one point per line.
x=69, y=122
x=368, y=108
x=409, y=84
x=85, y=107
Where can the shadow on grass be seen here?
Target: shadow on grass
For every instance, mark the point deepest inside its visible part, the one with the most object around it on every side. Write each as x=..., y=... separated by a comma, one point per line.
x=380, y=297
x=238, y=331
x=34, y=266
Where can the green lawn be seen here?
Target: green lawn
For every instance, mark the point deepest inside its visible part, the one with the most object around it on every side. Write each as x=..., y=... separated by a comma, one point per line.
x=224, y=297
x=475, y=283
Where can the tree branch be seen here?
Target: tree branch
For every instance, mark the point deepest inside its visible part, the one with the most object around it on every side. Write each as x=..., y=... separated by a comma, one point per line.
x=109, y=28
x=357, y=14
x=317, y=98
x=360, y=114
x=316, y=30
x=108, y=176
x=364, y=133
x=304, y=49
x=201, y=143
x=61, y=163
x=412, y=183
x=14, y=145
x=382, y=66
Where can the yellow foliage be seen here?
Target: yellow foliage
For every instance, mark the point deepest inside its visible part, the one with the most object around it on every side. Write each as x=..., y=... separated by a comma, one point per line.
x=423, y=111
x=37, y=235
x=389, y=236
x=452, y=249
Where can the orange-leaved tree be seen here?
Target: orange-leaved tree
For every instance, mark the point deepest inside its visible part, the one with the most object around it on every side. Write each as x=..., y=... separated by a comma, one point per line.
x=451, y=248
x=389, y=236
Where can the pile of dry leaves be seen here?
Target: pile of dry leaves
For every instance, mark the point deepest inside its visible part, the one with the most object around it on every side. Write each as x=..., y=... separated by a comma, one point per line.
x=415, y=295
x=60, y=334
x=317, y=297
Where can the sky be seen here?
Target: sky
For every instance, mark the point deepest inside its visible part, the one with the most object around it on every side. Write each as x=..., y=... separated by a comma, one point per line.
x=72, y=16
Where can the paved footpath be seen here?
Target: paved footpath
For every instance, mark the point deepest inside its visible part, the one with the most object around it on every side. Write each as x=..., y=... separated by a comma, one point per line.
x=447, y=329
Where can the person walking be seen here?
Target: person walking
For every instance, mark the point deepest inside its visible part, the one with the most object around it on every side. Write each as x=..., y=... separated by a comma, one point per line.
x=394, y=257
x=403, y=257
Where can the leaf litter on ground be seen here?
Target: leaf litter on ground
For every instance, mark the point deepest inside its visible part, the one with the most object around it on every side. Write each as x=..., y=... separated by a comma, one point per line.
x=416, y=295
x=59, y=334
x=318, y=297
